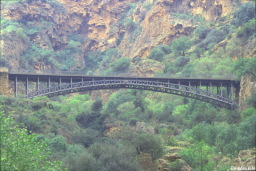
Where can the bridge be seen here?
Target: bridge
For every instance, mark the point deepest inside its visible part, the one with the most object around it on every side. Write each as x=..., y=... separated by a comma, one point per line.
x=219, y=92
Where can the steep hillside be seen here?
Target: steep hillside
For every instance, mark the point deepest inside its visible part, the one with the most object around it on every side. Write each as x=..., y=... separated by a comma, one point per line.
x=130, y=130
x=67, y=34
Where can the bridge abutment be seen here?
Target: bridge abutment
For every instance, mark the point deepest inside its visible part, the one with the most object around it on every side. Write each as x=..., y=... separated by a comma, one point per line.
x=4, y=81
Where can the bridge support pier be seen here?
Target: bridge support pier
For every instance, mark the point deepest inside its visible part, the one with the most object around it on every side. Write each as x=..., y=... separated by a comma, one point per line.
x=4, y=81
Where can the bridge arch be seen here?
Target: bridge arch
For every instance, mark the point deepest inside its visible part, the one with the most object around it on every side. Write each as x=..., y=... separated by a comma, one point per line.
x=164, y=87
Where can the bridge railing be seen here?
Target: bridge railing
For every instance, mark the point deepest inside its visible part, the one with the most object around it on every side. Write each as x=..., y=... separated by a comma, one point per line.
x=121, y=74
x=160, y=85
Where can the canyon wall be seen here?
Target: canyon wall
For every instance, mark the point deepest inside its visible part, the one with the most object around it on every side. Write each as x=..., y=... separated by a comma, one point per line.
x=101, y=24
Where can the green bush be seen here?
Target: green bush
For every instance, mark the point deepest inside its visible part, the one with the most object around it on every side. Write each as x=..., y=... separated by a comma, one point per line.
x=165, y=48
x=182, y=61
x=199, y=156
x=130, y=25
x=244, y=66
x=85, y=137
x=112, y=156
x=97, y=105
x=245, y=13
x=79, y=159
x=121, y=64
x=226, y=140
x=251, y=101
x=76, y=38
x=23, y=151
x=201, y=32
x=57, y=144
x=180, y=45
x=103, y=59
x=246, y=30
x=176, y=165
x=116, y=99
x=156, y=54
x=246, y=133
x=148, y=143
x=214, y=36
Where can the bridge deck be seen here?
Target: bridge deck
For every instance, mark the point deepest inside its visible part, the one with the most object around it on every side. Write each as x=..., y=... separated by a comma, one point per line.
x=78, y=77
x=220, y=92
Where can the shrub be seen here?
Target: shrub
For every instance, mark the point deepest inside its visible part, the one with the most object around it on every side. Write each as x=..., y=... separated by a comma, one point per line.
x=121, y=64
x=57, y=144
x=182, y=61
x=23, y=151
x=251, y=101
x=156, y=54
x=112, y=156
x=85, y=137
x=177, y=165
x=79, y=159
x=180, y=45
x=214, y=36
x=246, y=30
x=246, y=133
x=116, y=99
x=76, y=37
x=226, y=140
x=198, y=156
x=130, y=25
x=244, y=66
x=245, y=13
x=133, y=121
x=201, y=32
x=148, y=143
x=97, y=105
x=165, y=48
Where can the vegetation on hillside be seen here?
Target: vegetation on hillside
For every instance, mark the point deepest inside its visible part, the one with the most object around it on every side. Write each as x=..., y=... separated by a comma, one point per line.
x=79, y=129
x=130, y=130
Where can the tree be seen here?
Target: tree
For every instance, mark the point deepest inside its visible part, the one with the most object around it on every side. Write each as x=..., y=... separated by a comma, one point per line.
x=57, y=144
x=147, y=143
x=97, y=105
x=180, y=45
x=214, y=36
x=244, y=13
x=244, y=66
x=246, y=30
x=182, y=61
x=201, y=32
x=130, y=25
x=246, y=138
x=198, y=156
x=156, y=54
x=116, y=99
x=121, y=64
x=226, y=140
x=23, y=151
x=114, y=156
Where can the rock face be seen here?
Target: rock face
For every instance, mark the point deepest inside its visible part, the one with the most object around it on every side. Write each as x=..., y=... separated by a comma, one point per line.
x=142, y=126
x=4, y=88
x=163, y=163
x=246, y=159
x=101, y=24
x=247, y=88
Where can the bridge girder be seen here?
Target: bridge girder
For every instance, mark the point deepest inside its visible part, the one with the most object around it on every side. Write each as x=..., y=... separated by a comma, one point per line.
x=164, y=87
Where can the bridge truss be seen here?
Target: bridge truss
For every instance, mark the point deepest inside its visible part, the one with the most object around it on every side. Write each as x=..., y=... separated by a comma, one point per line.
x=189, y=91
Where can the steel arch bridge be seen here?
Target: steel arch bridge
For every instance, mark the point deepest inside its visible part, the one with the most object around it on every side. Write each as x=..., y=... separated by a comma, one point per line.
x=219, y=92
x=170, y=88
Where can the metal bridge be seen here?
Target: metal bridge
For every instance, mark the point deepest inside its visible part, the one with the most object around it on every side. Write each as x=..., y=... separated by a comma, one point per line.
x=219, y=92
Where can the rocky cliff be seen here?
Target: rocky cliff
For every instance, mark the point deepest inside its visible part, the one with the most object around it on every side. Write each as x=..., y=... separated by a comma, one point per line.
x=101, y=24
x=247, y=88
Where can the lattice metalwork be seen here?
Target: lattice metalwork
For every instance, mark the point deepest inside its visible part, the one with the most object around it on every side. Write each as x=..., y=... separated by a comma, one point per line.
x=171, y=88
